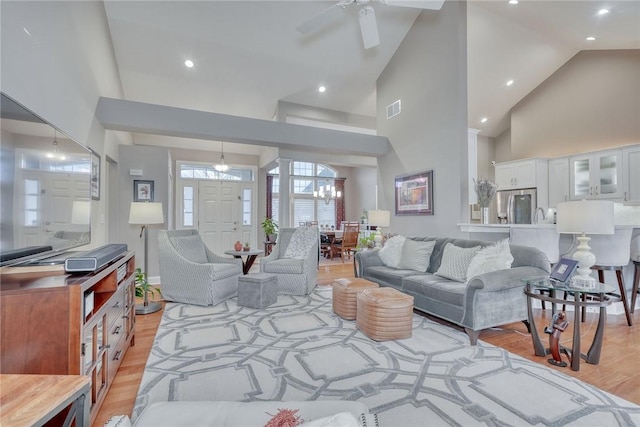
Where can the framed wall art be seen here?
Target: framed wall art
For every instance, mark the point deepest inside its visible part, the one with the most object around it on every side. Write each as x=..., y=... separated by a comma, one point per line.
x=142, y=191
x=95, y=175
x=414, y=194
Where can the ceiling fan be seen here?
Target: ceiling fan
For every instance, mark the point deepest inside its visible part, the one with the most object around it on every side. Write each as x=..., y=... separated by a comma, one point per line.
x=366, y=16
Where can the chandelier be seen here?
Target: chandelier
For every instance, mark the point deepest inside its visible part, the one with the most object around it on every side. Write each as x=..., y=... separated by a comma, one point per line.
x=222, y=166
x=327, y=192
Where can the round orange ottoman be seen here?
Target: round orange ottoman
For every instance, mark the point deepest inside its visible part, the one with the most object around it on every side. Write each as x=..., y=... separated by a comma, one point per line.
x=384, y=314
x=344, y=295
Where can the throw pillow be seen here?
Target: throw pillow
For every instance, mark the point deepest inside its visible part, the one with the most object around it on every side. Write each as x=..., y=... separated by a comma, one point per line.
x=391, y=253
x=455, y=262
x=416, y=255
x=492, y=258
x=301, y=242
x=341, y=419
x=191, y=247
x=285, y=418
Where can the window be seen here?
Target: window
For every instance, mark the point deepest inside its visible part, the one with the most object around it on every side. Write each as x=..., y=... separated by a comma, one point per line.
x=306, y=178
x=187, y=209
x=246, y=206
x=194, y=171
x=32, y=202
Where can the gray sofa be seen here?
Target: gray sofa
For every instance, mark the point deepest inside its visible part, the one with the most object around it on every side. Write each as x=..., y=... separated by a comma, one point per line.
x=486, y=301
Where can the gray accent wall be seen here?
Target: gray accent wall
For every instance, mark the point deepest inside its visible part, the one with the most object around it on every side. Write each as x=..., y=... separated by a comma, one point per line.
x=428, y=73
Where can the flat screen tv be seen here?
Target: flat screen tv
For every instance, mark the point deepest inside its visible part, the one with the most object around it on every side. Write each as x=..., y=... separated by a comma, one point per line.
x=45, y=186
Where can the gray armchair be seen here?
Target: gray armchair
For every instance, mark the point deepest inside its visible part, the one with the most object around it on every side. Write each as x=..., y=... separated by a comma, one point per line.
x=297, y=275
x=191, y=273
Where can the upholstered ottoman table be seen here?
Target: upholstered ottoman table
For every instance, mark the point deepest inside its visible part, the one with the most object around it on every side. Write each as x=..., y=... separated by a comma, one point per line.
x=344, y=295
x=257, y=290
x=384, y=314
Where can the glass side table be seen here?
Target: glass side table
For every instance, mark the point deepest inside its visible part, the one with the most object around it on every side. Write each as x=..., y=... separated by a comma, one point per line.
x=600, y=299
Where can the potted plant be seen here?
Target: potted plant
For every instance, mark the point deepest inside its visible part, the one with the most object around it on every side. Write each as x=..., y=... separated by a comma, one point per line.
x=143, y=288
x=246, y=246
x=270, y=229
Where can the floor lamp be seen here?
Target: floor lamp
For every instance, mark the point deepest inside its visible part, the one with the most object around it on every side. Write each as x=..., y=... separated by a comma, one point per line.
x=585, y=217
x=145, y=213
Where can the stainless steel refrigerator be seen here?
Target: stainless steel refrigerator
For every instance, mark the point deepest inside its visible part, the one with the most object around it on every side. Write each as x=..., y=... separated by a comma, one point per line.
x=516, y=206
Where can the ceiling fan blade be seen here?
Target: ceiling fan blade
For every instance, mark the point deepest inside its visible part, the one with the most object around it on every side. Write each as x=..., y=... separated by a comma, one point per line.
x=418, y=4
x=368, y=27
x=323, y=17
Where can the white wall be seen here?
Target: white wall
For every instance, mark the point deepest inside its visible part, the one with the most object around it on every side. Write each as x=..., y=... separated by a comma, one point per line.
x=428, y=73
x=590, y=103
x=59, y=70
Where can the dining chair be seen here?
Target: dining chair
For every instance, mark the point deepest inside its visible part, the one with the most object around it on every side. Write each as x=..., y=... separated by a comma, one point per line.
x=348, y=242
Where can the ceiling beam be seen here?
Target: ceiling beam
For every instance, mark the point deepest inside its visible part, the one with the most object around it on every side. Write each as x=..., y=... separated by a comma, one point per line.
x=131, y=116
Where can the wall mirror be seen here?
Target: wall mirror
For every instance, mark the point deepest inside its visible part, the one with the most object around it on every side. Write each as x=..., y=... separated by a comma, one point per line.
x=45, y=180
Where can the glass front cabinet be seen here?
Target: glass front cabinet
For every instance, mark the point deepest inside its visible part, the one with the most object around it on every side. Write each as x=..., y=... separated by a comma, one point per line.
x=596, y=175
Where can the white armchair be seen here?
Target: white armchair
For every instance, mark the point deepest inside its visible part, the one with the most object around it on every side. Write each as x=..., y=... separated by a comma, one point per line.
x=191, y=273
x=295, y=267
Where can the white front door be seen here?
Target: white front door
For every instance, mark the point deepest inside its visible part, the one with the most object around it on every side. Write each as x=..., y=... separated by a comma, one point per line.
x=219, y=214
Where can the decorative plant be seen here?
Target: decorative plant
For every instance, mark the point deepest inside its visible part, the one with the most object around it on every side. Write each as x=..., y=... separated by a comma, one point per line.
x=368, y=242
x=486, y=191
x=269, y=227
x=142, y=285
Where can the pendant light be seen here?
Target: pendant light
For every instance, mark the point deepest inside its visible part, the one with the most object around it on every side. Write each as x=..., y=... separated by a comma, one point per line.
x=222, y=166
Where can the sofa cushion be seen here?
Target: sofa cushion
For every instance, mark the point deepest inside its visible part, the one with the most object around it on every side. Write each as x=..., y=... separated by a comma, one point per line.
x=301, y=242
x=416, y=255
x=491, y=258
x=455, y=262
x=284, y=266
x=391, y=253
x=388, y=275
x=191, y=247
x=436, y=288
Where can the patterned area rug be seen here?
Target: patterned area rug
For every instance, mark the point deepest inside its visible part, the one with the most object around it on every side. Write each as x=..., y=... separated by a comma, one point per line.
x=298, y=349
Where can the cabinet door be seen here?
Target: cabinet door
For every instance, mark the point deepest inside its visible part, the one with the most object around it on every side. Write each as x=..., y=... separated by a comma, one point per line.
x=608, y=176
x=524, y=174
x=580, y=177
x=558, y=181
x=631, y=174
x=504, y=176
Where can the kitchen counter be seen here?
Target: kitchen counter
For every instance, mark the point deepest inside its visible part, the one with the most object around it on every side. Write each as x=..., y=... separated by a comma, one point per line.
x=504, y=228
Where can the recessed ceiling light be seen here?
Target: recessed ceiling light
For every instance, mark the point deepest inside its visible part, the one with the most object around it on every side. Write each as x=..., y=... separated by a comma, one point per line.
x=321, y=89
x=26, y=31
x=590, y=38
x=603, y=11
x=188, y=63
x=509, y=82
x=483, y=120
x=513, y=1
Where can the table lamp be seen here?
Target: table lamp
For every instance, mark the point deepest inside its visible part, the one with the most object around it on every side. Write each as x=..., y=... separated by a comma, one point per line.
x=585, y=217
x=145, y=213
x=379, y=219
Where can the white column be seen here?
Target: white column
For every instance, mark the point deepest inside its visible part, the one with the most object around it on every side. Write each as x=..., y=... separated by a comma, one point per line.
x=284, y=219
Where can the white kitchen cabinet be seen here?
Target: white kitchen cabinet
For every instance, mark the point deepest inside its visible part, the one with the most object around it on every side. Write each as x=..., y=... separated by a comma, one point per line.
x=631, y=173
x=520, y=174
x=559, y=186
x=596, y=175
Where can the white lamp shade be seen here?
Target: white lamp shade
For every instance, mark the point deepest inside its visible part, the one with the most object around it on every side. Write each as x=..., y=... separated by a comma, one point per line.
x=585, y=216
x=143, y=213
x=380, y=218
x=81, y=212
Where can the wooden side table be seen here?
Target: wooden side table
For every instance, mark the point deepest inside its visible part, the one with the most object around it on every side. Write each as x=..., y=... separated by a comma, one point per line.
x=32, y=400
x=246, y=264
x=268, y=247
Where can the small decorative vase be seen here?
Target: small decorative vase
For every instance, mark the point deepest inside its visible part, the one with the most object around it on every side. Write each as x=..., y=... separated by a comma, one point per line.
x=484, y=215
x=237, y=246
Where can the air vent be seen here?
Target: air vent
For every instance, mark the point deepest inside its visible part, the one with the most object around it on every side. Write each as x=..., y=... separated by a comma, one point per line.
x=393, y=109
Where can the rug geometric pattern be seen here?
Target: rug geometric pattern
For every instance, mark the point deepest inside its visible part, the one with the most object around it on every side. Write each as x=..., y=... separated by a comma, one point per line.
x=298, y=349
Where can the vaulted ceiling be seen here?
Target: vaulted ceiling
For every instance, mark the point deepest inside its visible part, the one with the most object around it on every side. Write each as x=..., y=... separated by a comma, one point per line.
x=248, y=55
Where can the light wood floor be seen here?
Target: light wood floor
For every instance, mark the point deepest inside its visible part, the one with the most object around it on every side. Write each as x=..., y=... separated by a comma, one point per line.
x=616, y=373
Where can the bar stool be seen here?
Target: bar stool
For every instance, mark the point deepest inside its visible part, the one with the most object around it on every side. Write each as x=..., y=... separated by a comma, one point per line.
x=613, y=253
x=635, y=257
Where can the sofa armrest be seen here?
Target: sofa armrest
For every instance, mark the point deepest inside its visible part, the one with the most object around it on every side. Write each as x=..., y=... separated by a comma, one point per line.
x=504, y=279
x=365, y=259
